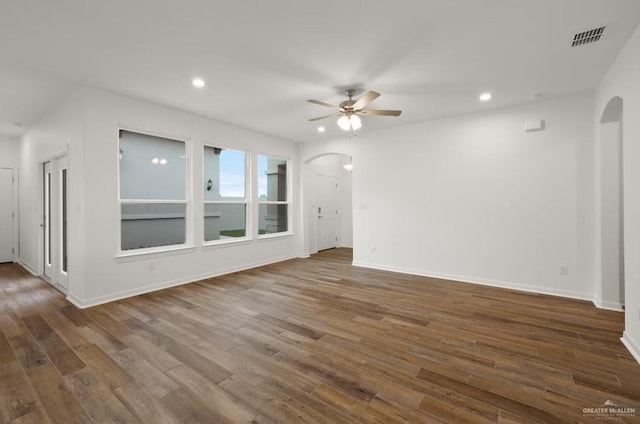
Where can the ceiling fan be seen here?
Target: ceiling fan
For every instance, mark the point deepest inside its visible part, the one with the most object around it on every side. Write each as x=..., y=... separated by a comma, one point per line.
x=349, y=110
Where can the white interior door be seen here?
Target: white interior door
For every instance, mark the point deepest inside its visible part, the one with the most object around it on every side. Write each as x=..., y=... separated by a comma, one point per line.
x=54, y=225
x=6, y=215
x=327, y=212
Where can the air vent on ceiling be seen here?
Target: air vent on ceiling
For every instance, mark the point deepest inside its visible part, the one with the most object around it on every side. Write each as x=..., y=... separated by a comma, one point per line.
x=587, y=37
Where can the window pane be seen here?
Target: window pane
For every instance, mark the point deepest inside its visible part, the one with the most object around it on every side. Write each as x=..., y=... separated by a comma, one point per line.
x=64, y=220
x=272, y=179
x=151, y=167
x=273, y=219
x=223, y=221
x=151, y=225
x=47, y=201
x=224, y=174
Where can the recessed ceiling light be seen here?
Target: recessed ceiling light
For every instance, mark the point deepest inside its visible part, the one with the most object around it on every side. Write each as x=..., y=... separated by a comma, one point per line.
x=485, y=97
x=320, y=129
x=198, y=82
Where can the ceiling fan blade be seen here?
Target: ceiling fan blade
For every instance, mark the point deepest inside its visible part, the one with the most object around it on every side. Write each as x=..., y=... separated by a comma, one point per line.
x=365, y=100
x=318, y=102
x=324, y=117
x=380, y=112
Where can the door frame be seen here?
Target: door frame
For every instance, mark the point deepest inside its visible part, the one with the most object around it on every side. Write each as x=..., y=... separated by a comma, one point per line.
x=57, y=279
x=14, y=207
x=307, y=194
x=318, y=212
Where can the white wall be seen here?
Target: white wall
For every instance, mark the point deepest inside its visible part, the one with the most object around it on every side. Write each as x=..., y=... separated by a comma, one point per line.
x=86, y=126
x=108, y=277
x=610, y=280
x=475, y=198
x=345, y=200
x=9, y=152
x=623, y=80
x=60, y=132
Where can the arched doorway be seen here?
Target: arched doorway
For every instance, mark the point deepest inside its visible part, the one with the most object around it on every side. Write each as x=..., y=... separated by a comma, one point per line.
x=328, y=211
x=610, y=276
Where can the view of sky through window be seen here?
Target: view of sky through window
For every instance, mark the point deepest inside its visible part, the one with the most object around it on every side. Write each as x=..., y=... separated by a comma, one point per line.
x=232, y=174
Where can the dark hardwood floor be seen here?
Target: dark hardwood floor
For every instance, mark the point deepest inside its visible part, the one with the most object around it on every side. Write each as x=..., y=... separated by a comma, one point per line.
x=310, y=340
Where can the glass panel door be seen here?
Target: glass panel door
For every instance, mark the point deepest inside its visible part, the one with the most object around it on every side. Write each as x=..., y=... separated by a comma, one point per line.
x=54, y=221
x=61, y=221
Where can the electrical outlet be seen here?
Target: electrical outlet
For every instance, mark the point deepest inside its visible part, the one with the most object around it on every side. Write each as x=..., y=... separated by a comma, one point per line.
x=564, y=269
x=373, y=249
x=152, y=265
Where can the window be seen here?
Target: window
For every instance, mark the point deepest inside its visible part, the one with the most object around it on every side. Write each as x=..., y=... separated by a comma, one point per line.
x=64, y=220
x=273, y=204
x=225, y=200
x=153, y=191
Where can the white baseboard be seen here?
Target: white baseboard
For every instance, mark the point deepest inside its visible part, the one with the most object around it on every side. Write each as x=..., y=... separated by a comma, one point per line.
x=27, y=266
x=99, y=300
x=632, y=347
x=610, y=306
x=481, y=281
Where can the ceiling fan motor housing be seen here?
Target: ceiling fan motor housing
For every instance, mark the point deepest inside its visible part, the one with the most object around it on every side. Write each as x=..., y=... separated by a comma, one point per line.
x=347, y=106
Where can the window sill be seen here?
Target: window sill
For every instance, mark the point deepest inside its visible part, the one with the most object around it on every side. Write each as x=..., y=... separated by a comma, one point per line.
x=140, y=254
x=225, y=243
x=275, y=235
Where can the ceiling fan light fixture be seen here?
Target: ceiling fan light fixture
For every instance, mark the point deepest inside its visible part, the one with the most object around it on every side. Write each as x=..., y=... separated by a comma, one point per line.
x=350, y=123
x=355, y=121
x=344, y=123
x=348, y=111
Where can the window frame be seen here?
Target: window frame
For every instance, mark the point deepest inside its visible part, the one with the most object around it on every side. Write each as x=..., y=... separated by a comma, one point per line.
x=248, y=234
x=287, y=202
x=188, y=200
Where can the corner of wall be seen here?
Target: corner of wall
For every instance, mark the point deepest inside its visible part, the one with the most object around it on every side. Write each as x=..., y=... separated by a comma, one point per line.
x=631, y=345
x=608, y=306
x=27, y=266
x=621, y=80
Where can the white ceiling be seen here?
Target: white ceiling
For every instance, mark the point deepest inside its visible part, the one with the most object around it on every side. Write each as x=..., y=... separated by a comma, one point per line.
x=262, y=59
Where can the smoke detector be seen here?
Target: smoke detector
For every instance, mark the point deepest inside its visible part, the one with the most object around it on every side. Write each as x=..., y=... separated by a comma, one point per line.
x=587, y=37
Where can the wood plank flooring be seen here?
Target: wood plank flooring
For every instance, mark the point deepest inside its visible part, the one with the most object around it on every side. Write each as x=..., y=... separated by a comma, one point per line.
x=310, y=341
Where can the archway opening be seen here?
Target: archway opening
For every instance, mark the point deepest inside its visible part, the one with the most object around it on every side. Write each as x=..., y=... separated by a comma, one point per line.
x=611, y=225
x=328, y=209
